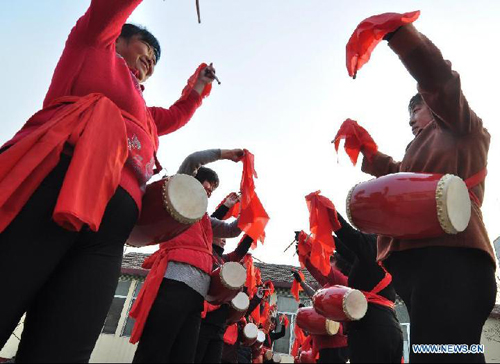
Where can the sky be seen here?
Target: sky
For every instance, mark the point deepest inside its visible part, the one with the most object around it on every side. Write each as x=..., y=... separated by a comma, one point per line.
x=285, y=89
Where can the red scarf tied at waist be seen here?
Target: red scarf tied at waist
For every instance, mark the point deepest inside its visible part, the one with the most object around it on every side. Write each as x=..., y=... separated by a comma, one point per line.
x=94, y=125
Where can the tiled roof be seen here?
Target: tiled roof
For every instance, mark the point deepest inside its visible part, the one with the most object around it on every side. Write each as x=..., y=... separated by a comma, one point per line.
x=279, y=274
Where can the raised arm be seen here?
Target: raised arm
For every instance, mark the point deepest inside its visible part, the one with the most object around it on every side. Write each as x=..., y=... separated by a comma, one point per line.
x=239, y=253
x=380, y=165
x=438, y=84
x=102, y=23
x=363, y=245
x=223, y=229
x=195, y=160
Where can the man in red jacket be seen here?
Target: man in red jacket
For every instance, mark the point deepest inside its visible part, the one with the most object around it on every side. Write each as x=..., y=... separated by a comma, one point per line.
x=61, y=266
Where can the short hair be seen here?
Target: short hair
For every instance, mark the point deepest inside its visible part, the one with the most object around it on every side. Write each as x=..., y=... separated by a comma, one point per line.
x=414, y=101
x=130, y=30
x=209, y=175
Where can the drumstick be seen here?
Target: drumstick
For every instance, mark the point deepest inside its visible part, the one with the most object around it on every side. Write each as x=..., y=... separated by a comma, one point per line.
x=288, y=247
x=208, y=71
x=198, y=11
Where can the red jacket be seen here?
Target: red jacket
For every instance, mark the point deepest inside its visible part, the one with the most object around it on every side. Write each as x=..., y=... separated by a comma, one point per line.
x=193, y=247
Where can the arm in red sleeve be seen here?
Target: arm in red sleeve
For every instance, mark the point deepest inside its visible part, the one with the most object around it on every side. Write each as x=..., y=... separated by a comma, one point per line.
x=438, y=84
x=239, y=253
x=307, y=289
x=102, y=23
x=317, y=275
x=380, y=165
x=333, y=278
x=169, y=120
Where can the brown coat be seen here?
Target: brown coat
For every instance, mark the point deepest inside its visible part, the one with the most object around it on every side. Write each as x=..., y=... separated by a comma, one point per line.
x=455, y=142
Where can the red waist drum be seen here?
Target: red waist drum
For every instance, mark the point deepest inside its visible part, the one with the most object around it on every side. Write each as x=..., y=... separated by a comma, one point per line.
x=238, y=308
x=259, y=343
x=170, y=206
x=276, y=358
x=410, y=205
x=341, y=304
x=314, y=323
x=249, y=334
x=226, y=282
x=307, y=357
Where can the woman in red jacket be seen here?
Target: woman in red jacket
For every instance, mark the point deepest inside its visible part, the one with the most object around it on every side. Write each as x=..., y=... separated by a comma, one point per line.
x=71, y=184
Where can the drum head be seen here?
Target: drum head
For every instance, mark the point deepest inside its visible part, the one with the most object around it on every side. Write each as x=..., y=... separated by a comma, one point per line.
x=233, y=275
x=251, y=331
x=276, y=358
x=186, y=198
x=455, y=204
x=332, y=327
x=261, y=337
x=355, y=305
x=240, y=302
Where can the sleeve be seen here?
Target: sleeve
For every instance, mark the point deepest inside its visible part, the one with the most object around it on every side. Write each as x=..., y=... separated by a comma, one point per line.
x=344, y=251
x=194, y=161
x=307, y=289
x=317, y=275
x=102, y=23
x=380, y=165
x=333, y=278
x=169, y=120
x=278, y=335
x=360, y=244
x=220, y=212
x=240, y=252
x=223, y=229
x=254, y=302
x=438, y=84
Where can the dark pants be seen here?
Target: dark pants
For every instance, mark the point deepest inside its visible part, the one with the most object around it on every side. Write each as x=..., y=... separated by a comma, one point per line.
x=64, y=281
x=376, y=344
x=449, y=293
x=173, y=325
x=333, y=355
x=210, y=344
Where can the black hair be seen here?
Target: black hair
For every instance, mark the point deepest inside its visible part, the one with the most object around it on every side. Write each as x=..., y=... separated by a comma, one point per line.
x=130, y=30
x=209, y=175
x=301, y=305
x=414, y=101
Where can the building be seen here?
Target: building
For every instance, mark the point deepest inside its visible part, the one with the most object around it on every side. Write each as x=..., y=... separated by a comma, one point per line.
x=113, y=344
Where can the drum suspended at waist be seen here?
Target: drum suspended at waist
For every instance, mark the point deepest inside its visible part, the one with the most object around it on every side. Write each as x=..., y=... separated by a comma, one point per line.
x=170, y=206
x=340, y=303
x=311, y=321
x=410, y=205
x=226, y=282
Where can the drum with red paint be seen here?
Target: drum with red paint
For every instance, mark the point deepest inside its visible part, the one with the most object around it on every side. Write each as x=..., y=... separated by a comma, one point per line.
x=169, y=207
x=226, y=282
x=249, y=334
x=307, y=357
x=410, y=205
x=238, y=308
x=311, y=321
x=341, y=304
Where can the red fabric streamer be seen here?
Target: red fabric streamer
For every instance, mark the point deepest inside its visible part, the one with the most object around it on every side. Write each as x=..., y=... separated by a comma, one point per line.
x=369, y=33
x=300, y=338
x=284, y=320
x=251, y=282
x=323, y=222
x=192, y=81
x=253, y=216
x=357, y=139
x=296, y=287
x=231, y=334
x=256, y=315
x=233, y=211
x=264, y=316
x=270, y=288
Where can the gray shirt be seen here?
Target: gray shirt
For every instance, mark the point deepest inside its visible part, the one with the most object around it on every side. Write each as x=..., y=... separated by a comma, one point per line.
x=185, y=273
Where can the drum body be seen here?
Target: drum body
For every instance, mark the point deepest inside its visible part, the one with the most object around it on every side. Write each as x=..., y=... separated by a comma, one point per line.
x=268, y=355
x=410, y=205
x=276, y=358
x=249, y=334
x=226, y=282
x=169, y=207
x=259, y=343
x=238, y=308
x=341, y=304
x=314, y=323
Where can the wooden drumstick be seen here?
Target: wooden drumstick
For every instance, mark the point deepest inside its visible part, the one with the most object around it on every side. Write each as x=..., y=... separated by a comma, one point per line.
x=208, y=71
x=198, y=11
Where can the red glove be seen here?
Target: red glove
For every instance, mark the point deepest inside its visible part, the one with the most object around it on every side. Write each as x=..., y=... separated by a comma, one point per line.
x=369, y=33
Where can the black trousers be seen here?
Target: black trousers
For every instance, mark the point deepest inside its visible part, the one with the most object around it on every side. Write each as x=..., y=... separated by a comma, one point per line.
x=376, y=344
x=449, y=293
x=64, y=281
x=173, y=325
x=210, y=344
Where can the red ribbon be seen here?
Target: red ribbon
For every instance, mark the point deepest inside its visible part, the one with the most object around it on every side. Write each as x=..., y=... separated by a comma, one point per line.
x=192, y=82
x=357, y=139
x=296, y=287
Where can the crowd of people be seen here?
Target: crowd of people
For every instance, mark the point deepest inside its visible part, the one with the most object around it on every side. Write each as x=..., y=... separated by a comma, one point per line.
x=72, y=182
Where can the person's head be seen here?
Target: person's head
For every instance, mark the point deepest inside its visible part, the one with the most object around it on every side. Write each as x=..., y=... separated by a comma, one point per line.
x=220, y=242
x=208, y=178
x=140, y=49
x=301, y=305
x=420, y=114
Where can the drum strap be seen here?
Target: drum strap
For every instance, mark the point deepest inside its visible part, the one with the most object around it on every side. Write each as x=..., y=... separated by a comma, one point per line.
x=475, y=181
x=374, y=297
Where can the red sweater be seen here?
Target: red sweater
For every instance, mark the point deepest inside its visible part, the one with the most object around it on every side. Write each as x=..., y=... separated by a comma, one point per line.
x=90, y=64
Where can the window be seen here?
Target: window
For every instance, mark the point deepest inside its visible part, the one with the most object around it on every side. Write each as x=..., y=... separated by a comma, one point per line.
x=127, y=331
x=284, y=345
x=115, y=312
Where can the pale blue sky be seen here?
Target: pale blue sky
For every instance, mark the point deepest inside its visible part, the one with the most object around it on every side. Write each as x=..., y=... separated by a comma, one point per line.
x=285, y=89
